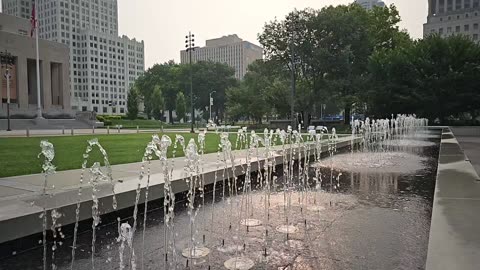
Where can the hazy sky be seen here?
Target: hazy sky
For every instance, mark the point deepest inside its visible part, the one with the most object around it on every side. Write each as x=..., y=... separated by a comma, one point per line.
x=162, y=24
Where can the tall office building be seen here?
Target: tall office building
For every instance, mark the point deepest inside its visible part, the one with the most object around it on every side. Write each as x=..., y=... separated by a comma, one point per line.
x=103, y=66
x=453, y=17
x=231, y=50
x=369, y=4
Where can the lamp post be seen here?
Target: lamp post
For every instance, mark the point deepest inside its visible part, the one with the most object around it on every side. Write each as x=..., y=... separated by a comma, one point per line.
x=190, y=47
x=211, y=103
x=291, y=27
x=8, y=60
x=322, y=110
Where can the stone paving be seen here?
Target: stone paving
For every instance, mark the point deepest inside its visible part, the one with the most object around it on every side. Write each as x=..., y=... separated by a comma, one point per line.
x=454, y=241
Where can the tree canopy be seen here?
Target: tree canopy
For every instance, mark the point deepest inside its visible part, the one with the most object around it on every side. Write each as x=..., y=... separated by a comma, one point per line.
x=171, y=78
x=434, y=77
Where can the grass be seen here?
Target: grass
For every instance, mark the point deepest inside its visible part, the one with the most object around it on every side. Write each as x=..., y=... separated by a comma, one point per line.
x=18, y=156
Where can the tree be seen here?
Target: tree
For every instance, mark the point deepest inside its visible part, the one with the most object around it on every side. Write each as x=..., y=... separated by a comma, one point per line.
x=261, y=93
x=180, y=106
x=331, y=49
x=434, y=77
x=164, y=76
x=133, y=101
x=158, y=103
x=208, y=76
x=171, y=78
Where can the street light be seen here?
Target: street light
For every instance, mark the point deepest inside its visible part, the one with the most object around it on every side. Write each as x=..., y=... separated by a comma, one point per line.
x=291, y=27
x=211, y=103
x=190, y=47
x=8, y=60
x=322, y=110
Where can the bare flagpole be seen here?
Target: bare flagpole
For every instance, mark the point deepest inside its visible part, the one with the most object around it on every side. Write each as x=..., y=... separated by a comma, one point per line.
x=39, y=97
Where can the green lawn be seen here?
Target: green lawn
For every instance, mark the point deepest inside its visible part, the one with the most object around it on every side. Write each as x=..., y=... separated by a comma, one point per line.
x=18, y=156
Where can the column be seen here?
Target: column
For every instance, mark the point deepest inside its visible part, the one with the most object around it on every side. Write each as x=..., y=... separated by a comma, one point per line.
x=56, y=94
x=46, y=75
x=437, y=6
x=1, y=86
x=65, y=86
x=22, y=82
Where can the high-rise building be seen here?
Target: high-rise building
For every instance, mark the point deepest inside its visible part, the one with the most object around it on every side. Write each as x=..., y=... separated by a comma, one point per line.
x=20, y=9
x=369, y=4
x=231, y=50
x=103, y=66
x=453, y=17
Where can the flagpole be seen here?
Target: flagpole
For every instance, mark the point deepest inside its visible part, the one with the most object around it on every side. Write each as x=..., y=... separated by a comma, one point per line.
x=39, y=97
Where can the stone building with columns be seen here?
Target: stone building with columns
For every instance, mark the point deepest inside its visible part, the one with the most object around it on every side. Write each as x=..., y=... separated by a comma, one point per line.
x=453, y=17
x=54, y=72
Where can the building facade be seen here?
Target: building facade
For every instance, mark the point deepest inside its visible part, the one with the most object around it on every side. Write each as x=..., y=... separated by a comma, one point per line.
x=453, y=17
x=103, y=66
x=54, y=72
x=231, y=50
x=369, y=4
x=16, y=8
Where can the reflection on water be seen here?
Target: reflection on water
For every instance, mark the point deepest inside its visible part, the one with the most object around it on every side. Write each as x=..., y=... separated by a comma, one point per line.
x=379, y=162
x=358, y=211
x=358, y=220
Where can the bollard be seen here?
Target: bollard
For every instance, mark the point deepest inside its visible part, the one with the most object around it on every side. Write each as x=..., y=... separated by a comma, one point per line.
x=93, y=129
x=71, y=131
x=63, y=130
x=28, y=132
x=138, y=130
x=108, y=129
x=162, y=129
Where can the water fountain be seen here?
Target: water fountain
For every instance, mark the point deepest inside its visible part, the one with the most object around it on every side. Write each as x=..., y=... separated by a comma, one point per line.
x=270, y=192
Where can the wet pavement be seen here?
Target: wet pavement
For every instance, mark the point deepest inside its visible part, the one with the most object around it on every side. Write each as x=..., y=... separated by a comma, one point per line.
x=358, y=220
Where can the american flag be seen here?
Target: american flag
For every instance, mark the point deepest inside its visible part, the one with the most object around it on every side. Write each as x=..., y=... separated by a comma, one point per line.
x=33, y=19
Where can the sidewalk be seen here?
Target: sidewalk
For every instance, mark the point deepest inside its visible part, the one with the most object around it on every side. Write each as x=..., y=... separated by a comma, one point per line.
x=76, y=132
x=454, y=241
x=469, y=139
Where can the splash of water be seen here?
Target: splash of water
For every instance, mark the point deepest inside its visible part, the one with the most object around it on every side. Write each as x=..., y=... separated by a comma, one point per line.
x=97, y=176
x=125, y=236
x=192, y=171
x=55, y=215
x=48, y=154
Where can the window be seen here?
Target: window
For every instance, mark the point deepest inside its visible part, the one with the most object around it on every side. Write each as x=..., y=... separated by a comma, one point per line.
x=457, y=28
x=475, y=26
x=475, y=36
x=466, y=28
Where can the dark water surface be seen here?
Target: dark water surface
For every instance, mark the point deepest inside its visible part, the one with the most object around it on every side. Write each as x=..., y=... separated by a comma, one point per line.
x=360, y=220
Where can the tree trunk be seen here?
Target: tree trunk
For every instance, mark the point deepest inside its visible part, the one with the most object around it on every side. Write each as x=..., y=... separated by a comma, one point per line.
x=170, y=116
x=347, y=115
